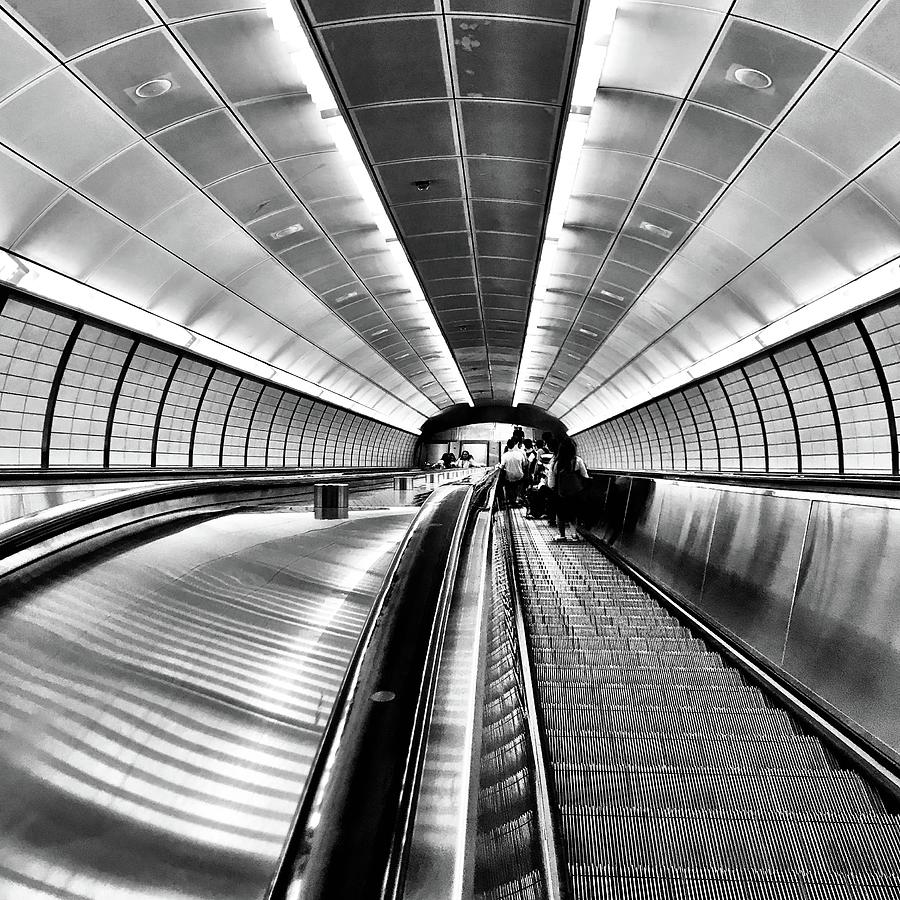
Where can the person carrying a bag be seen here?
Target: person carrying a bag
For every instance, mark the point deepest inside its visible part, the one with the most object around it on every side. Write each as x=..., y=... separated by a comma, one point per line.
x=567, y=478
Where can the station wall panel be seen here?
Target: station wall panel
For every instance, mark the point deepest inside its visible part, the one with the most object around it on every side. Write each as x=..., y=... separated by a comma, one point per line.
x=824, y=403
x=78, y=392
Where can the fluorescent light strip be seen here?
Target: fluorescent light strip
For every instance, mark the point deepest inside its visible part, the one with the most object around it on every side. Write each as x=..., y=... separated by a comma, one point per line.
x=75, y=295
x=287, y=24
x=598, y=28
x=869, y=288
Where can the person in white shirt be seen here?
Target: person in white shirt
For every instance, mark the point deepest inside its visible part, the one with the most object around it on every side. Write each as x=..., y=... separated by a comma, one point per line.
x=512, y=467
x=567, y=477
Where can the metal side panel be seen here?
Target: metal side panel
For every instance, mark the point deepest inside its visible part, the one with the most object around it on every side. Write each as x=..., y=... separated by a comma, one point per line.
x=753, y=563
x=844, y=638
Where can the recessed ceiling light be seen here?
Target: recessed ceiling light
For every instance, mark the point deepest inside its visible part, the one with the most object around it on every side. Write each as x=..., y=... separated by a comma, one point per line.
x=573, y=355
x=401, y=356
x=380, y=331
x=752, y=78
x=655, y=229
x=588, y=332
x=155, y=87
x=284, y=232
x=612, y=295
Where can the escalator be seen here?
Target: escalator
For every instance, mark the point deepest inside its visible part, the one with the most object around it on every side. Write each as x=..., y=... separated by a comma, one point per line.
x=669, y=773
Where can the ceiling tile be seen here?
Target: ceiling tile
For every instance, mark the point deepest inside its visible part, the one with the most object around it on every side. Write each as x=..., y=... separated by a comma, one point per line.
x=508, y=179
x=494, y=56
x=137, y=185
x=876, y=42
x=253, y=194
x=629, y=121
x=209, y=147
x=848, y=117
x=658, y=47
x=243, y=53
x=441, y=179
x=434, y=246
x=21, y=59
x=61, y=126
x=72, y=236
x=34, y=192
x=287, y=126
x=514, y=130
x=826, y=21
x=74, y=27
x=564, y=10
x=407, y=131
x=437, y=216
x=517, y=246
x=324, y=11
x=117, y=70
x=372, y=68
x=710, y=141
x=787, y=60
x=521, y=218
x=682, y=191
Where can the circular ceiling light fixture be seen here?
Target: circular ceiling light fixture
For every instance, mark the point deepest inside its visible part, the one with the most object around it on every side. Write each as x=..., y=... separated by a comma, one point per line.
x=155, y=87
x=752, y=78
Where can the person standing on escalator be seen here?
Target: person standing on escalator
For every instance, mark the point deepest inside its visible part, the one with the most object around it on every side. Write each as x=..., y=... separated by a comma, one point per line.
x=567, y=478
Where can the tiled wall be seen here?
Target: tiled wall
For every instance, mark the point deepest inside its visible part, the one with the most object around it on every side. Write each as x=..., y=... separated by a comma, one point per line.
x=76, y=392
x=825, y=403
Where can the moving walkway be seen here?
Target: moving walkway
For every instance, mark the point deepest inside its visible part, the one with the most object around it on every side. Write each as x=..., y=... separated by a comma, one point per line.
x=521, y=718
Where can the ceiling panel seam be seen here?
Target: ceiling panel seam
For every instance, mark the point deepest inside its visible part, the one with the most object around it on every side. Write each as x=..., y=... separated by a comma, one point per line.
x=176, y=37
x=250, y=303
x=64, y=64
x=458, y=136
x=577, y=44
x=316, y=41
x=682, y=103
x=822, y=66
x=826, y=62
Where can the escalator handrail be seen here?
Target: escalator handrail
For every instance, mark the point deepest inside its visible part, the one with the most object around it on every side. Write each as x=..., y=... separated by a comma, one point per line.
x=483, y=496
x=550, y=846
x=337, y=741
x=22, y=534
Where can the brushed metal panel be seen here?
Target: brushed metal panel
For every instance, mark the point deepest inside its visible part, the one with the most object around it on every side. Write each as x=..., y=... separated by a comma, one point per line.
x=683, y=535
x=753, y=562
x=641, y=521
x=844, y=636
x=612, y=522
x=162, y=706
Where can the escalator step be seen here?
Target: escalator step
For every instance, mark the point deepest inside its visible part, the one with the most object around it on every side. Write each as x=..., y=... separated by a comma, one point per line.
x=674, y=777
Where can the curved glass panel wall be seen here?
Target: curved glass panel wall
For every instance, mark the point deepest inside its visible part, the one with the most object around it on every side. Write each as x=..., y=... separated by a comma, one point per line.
x=824, y=404
x=77, y=392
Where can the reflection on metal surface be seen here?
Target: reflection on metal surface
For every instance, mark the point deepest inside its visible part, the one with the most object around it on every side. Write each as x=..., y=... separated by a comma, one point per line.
x=844, y=638
x=438, y=844
x=807, y=581
x=683, y=535
x=752, y=572
x=159, y=709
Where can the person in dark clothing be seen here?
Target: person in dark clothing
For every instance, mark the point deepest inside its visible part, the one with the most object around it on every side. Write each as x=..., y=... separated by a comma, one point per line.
x=567, y=478
x=448, y=459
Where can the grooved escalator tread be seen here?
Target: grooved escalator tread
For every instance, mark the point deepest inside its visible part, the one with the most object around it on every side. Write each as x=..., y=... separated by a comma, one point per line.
x=674, y=776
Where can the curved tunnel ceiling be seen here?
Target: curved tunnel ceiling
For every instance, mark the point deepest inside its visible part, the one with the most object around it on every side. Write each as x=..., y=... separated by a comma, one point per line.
x=705, y=206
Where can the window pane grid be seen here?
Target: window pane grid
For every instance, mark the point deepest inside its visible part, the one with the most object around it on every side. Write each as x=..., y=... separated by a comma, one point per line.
x=179, y=411
x=134, y=420
x=776, y=415
x=31, y=345
x=860, y=403
x=85, y=393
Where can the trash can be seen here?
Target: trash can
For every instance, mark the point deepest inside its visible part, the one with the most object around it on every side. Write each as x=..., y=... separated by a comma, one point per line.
x=332, y=501
x=404, y=482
